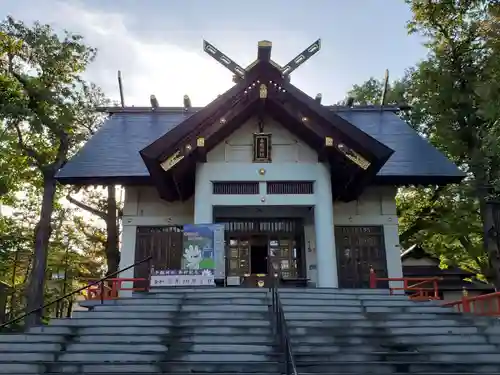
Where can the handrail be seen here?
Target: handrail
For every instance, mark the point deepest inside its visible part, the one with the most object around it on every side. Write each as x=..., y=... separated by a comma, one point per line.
x=100, y=281
x=486, y=304
x=421, y=293
x=280, y=327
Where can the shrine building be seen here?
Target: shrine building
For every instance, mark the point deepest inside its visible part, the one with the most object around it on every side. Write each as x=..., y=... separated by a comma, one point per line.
x=300, y=186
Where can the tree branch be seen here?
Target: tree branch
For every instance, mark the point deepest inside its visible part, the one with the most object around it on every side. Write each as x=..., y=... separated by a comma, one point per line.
x=101, y=214
x=29, y=151
x=420, y=223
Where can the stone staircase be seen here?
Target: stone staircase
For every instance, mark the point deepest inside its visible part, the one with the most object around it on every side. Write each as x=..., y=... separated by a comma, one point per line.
x=368, y=332
x=229, y=331
x=163, y=331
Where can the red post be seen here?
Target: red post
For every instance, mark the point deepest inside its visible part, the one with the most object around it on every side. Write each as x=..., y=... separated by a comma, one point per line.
x=465, y=302
x=373, y=279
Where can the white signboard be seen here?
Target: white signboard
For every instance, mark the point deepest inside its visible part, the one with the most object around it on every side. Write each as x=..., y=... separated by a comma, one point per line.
x=180, y=278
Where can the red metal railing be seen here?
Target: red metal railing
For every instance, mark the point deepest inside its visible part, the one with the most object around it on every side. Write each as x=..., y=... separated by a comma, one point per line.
x=110, y=289
x=487, y=304
x=420, y=288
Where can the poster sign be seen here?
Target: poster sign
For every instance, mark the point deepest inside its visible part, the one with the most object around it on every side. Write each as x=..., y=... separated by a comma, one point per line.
x=202, y=258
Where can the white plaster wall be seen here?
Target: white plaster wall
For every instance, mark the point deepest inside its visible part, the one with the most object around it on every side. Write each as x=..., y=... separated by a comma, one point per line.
x=144, y=207
x=286, y=147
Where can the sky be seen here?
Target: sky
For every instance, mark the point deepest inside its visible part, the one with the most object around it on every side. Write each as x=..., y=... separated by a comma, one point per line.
x=157, y=44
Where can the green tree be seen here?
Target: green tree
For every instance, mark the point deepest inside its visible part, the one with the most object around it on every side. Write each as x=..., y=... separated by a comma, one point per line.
x=457, y=88
x=50, y=118
x=454, y=97
x=105, y=207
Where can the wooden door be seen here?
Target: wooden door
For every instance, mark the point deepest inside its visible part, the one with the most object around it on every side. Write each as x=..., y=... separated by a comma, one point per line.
x=358, y=249
x=164, y=244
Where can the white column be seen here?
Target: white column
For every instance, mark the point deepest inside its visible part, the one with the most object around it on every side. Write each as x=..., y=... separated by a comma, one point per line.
x=203, y=209
x=326, y=262
x=393, y=254
x=127, y=255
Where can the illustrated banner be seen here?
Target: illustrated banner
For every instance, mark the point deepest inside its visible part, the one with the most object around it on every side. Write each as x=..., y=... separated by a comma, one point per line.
x=204, y=248
x=202, y=258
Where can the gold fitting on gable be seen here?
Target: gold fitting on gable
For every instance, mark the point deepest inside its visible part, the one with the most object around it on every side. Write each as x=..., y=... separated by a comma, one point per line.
x=172, y=160
x=188, y=147
x=222, y=120
x=263, y=91
x=264, y=43
x=200, y=142
x=262, y=171
x=328, y=141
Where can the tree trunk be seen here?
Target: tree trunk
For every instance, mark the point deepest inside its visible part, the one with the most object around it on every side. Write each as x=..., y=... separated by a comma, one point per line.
x=491, y=242
x=36, y=287
x=112, y=240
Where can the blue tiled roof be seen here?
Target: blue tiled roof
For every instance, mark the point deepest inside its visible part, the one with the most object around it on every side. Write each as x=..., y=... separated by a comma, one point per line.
x=114, y=150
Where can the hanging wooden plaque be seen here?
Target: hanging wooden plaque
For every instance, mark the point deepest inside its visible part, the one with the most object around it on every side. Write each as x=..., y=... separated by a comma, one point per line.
x=262, y=147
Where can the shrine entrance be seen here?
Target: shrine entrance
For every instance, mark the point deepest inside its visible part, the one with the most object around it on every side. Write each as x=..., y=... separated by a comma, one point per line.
x=256, y=248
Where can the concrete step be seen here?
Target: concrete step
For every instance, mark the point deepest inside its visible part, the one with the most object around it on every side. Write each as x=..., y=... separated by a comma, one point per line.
x=372, y=331
x=336, y=291
x=31, y=338
x=270, y=373
x=448, y=348
x=223, y=329
x=128, y=322
x=21, y=368
x=227, y=301
x=312, y=316
x=215, y=306
x=27, y=357
x=262, y=313
x=394, y=367
x=20, y=347
x=227, y=308
x=289, y=301
x=167, y=367
x=378, y=323
x=286, y=296
x=140, y=301
x=143, y=307
x=183, y=347
x=100, y=357
x=180, y=337
x=376, y=339
x=388, y=357
x=110, y=347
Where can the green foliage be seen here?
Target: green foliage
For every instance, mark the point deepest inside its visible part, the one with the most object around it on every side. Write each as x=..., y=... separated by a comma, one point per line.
x=455, y=103
x=47, y=112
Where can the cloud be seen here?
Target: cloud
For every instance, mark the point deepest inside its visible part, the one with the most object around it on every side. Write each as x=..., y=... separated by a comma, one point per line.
x=148, y=67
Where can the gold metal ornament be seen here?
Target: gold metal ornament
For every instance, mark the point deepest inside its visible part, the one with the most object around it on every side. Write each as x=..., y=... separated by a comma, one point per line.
x=263, y=91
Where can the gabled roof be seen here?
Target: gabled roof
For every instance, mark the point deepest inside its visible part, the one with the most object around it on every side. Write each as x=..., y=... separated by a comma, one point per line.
x=112, y=154
x=355, y=156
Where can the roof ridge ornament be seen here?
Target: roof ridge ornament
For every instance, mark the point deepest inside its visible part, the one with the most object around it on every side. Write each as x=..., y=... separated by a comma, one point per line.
x=227, y=62
x=301, y=58
x=263, y=54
